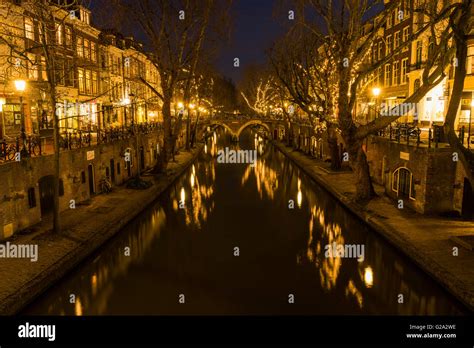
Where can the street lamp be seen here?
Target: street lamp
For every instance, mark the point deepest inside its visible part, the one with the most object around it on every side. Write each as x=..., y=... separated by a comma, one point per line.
x=376, y=93
x=20, y=86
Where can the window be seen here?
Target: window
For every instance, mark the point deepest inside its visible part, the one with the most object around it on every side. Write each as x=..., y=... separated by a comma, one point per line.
x=390, y=21
x=419, y=54
x=80, y=46
x=397, y=40
x=396, y=73
x=404, y=70
x=470, y=60
x=417, y=84
x=406, y=37
x=387, y=74
x=87, y=50
x=93, y=52
x=32, y=67
x=88, y=82
x=80, y=78
x=29, y=29
x=380, y=50
x=59, y=34
x=83, y=177
x=94, y=82
x=431, y=45
x=44, y=72
x=406, y=34
x=388, y=48
x=68, y=36
x=31, y=197
x=403, y=183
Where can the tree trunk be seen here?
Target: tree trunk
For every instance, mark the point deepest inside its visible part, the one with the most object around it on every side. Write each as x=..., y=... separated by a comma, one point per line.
x=333, y=148
x=56, y=218
x=358, y=159
x=167, y=136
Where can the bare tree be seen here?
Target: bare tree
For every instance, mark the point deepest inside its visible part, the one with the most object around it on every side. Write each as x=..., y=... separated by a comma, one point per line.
x=176, y=33
x=347, y=38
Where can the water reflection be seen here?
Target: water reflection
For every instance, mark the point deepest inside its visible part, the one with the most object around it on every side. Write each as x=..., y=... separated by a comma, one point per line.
x=185, y=243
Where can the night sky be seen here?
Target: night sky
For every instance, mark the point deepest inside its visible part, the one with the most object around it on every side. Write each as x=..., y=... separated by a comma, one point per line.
x=254, y=30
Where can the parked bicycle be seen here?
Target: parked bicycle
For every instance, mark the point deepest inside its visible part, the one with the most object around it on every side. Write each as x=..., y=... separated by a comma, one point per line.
x=105, y=185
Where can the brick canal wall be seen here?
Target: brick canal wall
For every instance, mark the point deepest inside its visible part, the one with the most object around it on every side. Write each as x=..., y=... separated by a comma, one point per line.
x=435, y=178
x=24, y=185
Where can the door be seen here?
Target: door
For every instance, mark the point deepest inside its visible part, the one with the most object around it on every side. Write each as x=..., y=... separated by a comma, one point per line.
x=404, y=183
x=90, y=170
x=142, y=158
x=112, y=171
x=46, y=191
x=467, y=201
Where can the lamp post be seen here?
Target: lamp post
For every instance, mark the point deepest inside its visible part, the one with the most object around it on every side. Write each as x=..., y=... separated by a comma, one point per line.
x=2, y=119
x=376, y=94
x=20, y=86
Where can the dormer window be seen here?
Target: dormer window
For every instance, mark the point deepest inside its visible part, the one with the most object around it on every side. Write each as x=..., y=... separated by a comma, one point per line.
x=85, y=16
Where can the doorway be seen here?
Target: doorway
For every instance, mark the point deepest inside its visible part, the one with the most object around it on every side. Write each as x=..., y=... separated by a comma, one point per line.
x=467, y=201
x=90, y=171
x=112, y=171
x=46, y=191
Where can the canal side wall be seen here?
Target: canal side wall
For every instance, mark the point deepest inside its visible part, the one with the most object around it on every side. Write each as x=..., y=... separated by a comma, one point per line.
x=411, y=236
x=83, y=232
x=434, y=189
x=21, y=191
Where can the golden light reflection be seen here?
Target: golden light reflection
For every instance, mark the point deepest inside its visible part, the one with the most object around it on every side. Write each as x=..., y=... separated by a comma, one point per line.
x=78, y=307
x=351, y=289
x=368, y=277
x=205, y=148
x=192, y=180
x=182, y=195
x=94, y=284
x=266, y=178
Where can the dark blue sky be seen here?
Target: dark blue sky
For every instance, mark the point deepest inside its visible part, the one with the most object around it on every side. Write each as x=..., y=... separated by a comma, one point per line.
x=254, y=30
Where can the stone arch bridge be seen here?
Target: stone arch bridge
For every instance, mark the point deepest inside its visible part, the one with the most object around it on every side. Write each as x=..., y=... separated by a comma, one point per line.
x=235, y=125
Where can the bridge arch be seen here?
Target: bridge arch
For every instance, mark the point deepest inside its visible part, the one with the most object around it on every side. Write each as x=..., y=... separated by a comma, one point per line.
x=253, y=122
x=224, y=125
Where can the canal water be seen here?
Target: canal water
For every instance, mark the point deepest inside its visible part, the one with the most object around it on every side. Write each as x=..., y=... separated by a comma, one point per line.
x=236, y=238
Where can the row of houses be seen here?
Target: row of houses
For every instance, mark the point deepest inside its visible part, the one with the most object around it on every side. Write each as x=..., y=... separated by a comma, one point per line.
x=97, y=72
x=401, y=76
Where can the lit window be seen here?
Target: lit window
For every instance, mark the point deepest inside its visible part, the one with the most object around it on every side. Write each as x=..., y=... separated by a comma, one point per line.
x=68, y=34
x=59, y=34
x=396, y=73
x=88, y=82
x=29, y=29
x=397, y=40
x=388, y=48
x=80, y=46
x=87, y=51
x=387, y=74
x=80, y=75
x=93, y=52
x=404, y=70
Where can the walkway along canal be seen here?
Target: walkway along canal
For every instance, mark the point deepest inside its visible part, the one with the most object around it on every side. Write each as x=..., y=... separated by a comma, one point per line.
x=236, y=238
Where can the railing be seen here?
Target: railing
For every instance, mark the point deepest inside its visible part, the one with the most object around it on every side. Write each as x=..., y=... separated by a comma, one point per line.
x=413, y=135
x=11, y=150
